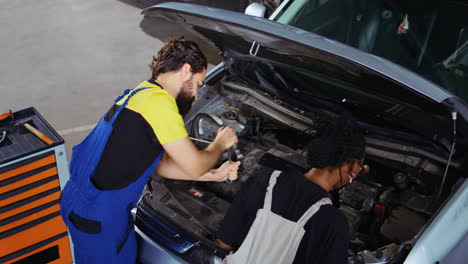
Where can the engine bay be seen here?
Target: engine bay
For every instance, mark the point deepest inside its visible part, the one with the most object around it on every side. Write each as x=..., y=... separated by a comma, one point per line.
x=386, y=207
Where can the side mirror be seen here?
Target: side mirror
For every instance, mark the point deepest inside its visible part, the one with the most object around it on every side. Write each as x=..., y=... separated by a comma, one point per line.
x=256, y=9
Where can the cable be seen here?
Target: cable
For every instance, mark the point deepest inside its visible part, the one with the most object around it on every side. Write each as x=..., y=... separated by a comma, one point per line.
x=454, y=118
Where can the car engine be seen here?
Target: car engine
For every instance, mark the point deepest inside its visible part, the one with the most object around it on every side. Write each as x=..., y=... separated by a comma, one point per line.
x=385, y=207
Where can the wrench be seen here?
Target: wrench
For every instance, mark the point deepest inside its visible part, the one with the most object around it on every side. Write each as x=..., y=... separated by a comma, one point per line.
x=201, y=140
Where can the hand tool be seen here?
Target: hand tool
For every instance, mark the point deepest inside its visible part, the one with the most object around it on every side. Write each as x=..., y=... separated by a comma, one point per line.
x=6, y=115
x=13, y=128
x=230, y=154
x=201, y=140
x=3, y=117
x=38, y=133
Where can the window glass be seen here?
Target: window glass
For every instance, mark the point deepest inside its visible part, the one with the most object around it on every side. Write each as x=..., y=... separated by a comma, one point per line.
x=427, y=37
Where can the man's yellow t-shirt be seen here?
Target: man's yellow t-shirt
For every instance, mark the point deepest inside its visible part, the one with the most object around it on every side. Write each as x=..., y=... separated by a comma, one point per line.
x=151, y=118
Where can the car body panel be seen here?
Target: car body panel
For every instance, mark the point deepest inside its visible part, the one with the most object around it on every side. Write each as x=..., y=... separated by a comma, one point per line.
x=243, y=37
x=150, y=252
x=238, y=6
x=447, y=231
x=275, y=35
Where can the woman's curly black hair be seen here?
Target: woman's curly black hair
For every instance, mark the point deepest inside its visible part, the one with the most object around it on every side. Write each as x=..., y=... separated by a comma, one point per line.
x=339, y=140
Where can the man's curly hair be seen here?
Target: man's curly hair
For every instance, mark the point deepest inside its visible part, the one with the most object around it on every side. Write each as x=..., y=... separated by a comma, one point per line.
x=174, y=54
x=339, y=141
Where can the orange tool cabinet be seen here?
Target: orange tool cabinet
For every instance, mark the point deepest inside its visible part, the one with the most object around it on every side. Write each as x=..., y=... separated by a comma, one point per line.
x=32, y=174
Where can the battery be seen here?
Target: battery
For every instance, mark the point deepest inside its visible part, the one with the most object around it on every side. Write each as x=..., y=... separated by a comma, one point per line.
x=32, y=175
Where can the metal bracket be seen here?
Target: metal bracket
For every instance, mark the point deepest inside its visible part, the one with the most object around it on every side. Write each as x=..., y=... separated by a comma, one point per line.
x=254, y=48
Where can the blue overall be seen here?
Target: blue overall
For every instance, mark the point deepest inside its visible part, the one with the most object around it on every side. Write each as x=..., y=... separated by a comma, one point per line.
x=111, y=238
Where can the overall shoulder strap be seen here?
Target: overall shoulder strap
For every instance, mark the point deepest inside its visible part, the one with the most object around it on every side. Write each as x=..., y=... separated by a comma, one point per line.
x=312, y=210
x=125, y=102
x=122, y=95
x=269, y=191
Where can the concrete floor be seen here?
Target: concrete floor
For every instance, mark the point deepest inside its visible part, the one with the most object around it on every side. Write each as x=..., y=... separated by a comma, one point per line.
x=70, y=59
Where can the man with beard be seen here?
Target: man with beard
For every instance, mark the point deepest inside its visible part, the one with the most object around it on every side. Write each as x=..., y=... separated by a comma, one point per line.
x=143, y=132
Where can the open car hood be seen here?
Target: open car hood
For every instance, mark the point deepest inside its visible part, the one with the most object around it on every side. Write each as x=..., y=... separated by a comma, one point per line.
x=385, y=93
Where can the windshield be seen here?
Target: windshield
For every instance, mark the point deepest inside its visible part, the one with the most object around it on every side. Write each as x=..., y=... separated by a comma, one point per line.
x=428, y=38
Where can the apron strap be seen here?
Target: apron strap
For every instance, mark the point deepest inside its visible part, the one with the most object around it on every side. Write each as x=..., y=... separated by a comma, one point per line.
x=312, y=210
x=125, y=102
x=269, y=191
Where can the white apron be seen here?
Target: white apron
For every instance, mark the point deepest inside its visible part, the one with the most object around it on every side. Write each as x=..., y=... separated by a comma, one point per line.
x=272, y=238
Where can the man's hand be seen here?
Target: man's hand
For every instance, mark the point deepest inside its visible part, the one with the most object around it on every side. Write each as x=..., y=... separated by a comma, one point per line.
x=193, y=163
x=227, y=171
x=226, y=137
x=224, y=245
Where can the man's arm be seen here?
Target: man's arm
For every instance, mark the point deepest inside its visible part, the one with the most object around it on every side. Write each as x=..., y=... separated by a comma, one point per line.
x=169, y=128
x=168, y=168
x=194, y=163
